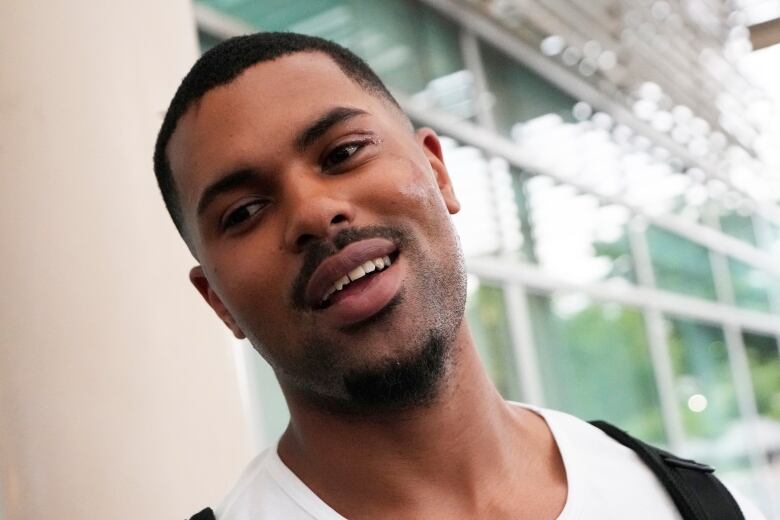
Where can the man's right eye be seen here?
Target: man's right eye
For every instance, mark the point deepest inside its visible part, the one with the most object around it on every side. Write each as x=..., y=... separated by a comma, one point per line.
x=242, y=214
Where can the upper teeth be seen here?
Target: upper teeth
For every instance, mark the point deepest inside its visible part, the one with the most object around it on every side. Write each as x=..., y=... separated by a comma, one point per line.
x=377, y=264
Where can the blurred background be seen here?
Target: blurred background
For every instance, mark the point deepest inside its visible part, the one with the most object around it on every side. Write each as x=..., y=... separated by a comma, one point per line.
x=618, y=162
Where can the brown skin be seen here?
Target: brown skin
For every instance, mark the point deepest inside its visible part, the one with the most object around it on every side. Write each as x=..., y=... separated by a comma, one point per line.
x=467, y=454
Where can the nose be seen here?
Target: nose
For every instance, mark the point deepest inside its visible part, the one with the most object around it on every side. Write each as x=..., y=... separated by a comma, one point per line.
x=316, y=211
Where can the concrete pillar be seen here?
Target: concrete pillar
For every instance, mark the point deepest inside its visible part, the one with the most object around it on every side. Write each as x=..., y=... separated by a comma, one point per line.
x=118, y=395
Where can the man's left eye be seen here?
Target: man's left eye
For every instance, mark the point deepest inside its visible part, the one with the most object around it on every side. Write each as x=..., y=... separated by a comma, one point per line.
x=242, y=214
x=341, y=154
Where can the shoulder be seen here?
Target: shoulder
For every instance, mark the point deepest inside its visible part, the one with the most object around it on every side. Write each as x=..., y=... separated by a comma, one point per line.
x=590, y=445
x=583, y=443
x=605, y=479
x=748, y=508
x=605, y=467
x=256, y=494
x=267, y=489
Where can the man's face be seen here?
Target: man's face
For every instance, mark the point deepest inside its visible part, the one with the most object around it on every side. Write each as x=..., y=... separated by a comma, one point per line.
x=292, y=177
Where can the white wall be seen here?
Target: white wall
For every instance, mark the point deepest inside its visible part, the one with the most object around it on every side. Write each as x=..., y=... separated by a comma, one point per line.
x=118, y=395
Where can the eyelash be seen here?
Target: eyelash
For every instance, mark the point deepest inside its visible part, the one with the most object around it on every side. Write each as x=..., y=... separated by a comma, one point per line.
x=229, y=219
x=356, y=145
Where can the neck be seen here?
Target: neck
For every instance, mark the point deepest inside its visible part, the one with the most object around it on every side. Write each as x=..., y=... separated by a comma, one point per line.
x=465, y=440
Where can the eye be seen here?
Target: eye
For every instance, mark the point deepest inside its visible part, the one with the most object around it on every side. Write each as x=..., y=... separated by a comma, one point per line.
x=242, y=214
x=342, y=153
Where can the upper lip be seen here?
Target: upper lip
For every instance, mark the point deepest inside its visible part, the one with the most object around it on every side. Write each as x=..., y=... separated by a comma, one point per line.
x=336, y=266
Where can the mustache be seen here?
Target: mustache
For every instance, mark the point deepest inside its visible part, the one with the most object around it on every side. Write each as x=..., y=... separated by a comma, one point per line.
x=317, y=251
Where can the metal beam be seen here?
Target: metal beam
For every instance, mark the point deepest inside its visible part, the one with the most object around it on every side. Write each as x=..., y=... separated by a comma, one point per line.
x=523, y=344
x=498, y=269
x=765, y=34
x=503, y=39
x=657, y=343
x=497, y=145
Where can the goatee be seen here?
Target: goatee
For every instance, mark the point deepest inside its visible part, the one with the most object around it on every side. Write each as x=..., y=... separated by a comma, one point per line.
x=399, y=384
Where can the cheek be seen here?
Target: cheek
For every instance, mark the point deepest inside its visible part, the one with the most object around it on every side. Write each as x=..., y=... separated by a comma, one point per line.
x=260, y=303
x=412, y=188
x=251, y=284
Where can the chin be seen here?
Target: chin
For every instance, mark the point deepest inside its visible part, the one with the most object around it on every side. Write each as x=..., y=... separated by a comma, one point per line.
x=407, y=380
x=385, y=378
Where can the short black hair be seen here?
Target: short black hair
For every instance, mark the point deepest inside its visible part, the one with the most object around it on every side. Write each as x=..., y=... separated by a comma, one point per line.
x=225, y=62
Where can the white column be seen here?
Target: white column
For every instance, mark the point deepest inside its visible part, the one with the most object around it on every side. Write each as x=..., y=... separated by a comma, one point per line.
x=657, y=342
x=118, y=396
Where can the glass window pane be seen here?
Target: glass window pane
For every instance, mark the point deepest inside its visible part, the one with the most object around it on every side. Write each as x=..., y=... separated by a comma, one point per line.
x=773, y=238
x=738, y=226
x=486, y=313
x=414, y=49
x=595, y=362
x=706, y=395
x=470, y=172
x=410, y=46
x=521, y=94
x=207, y=40
x=701, y=366
x=764, y=361
x=263, y=395
x=527, y=249
x=278, y=15
x=680, y=265
x=585, y=243
x=752, y=286
x=767, y=234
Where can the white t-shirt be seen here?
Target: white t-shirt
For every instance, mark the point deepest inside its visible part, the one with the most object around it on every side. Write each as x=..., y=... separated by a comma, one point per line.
x=605, y=480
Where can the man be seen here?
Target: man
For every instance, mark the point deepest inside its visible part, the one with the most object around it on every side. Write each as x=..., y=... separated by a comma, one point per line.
x=321, y=223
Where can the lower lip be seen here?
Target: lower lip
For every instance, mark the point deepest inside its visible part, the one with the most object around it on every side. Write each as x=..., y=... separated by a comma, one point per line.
x=363, y=301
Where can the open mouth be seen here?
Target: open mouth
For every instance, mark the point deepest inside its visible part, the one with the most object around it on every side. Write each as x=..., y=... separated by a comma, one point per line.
x=357, y=279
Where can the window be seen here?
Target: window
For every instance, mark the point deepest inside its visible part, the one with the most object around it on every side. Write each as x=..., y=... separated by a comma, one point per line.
x=487, y=317
x=595, y=362
x=680, y=265
x=519, y=93
x=752, y=288
x=764, y=361
x=705, y=392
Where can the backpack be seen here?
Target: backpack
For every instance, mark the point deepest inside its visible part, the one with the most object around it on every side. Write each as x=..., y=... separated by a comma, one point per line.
x=206, y=514
x=694, y=489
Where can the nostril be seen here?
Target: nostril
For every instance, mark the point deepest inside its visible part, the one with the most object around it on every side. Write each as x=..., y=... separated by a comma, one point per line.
x=313, y=230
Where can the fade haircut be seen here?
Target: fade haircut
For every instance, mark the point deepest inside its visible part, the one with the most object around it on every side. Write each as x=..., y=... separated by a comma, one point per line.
x=224, y=63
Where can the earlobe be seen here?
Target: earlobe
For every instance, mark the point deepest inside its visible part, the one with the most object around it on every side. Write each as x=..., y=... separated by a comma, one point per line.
x=431, y=146
x=201, y=283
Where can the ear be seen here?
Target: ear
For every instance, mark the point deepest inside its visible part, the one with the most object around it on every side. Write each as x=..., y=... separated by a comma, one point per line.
x=431, y=146
x=201, y=283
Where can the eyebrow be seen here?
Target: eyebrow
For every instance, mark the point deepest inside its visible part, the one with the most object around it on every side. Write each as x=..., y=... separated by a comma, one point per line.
x=324, y=123
x=227, y=183
x=305, y=138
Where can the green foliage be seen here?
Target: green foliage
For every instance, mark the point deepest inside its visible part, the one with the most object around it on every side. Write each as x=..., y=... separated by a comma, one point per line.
x=488, y=321
x=739, y=226
x=619, y=252
x=596, y=364
x=680, y=265
x=764, y=361
x=701, y=366
x=751, y=286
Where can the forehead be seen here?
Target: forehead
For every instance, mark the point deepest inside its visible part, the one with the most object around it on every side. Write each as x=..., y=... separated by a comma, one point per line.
x=261, y=109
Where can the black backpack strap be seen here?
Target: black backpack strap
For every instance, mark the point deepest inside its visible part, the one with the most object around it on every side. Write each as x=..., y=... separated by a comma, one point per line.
x=206, y=514
x=694, y=489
